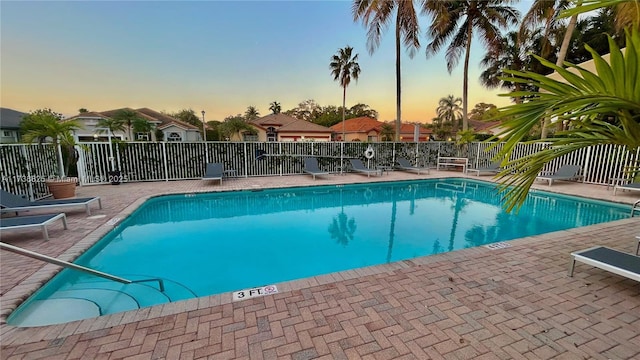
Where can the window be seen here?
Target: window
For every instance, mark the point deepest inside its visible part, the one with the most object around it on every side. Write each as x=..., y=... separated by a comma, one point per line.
x=7, y=133
x=372, y=138
x=272, y=134
x=142, y=136
x=249, y=137
x=174, y=136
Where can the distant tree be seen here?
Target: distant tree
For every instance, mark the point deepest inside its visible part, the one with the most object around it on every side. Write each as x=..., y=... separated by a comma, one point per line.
x=483, y=111
x=275, y=107
x=449, y=111
x=328, y=116
x=344, y=66
x=189, y=116
x=141, y=125
x=112, y=124
x=233, y=126
x=83, y=110
x=128, y=117
x=42, y=124
x=307, y=110
x=359, y=110
x=387, y=132
x=251, y=113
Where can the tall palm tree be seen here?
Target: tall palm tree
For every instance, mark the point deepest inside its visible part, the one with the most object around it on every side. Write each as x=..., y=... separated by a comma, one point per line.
x=449, y=111
x=376, y=15
x=512, y=53
x=275, y=107
x=545, y=13
x=387, y=132
x=251, y=113
x=458, y=22
x=344, y=66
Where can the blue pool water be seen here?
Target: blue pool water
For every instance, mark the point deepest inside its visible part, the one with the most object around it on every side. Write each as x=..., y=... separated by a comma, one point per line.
x=204, y=244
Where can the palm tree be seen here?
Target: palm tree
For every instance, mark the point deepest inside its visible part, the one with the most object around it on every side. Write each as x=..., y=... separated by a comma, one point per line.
x=275, y=107
x=601, y=107
x=111, y=124
x=544, y=12
x=128, y=117
x=387, y=132
x=251, y=113
x=458, y=22
x=376, y=15
x=141, y=125
x=45, y=123
x=344, y=66
x=449, y=111
x=512, y=53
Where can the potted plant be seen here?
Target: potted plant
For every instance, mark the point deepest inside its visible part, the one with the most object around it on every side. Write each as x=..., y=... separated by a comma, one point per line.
x=43, y=125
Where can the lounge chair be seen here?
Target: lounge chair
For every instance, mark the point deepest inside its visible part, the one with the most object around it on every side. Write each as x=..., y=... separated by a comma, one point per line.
x=566, y=172
x=404, y=164
x=491, y=169
x=358, y=166
x=311, y=167
x=41, y=221
x=214, y=171
x=634, y=186
x=608, y=259
x=14, y=203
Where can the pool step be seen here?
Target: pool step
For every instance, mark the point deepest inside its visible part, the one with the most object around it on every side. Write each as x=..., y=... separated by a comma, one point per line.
x=55, y=311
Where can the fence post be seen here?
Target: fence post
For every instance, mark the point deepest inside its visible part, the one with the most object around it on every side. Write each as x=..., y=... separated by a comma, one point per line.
x=246, y=161
x=166, y=166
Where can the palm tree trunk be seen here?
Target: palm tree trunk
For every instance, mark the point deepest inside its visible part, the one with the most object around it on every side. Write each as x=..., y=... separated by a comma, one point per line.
x=398, y=115
x=344, y=100
x=465, y=83
x=562, y=54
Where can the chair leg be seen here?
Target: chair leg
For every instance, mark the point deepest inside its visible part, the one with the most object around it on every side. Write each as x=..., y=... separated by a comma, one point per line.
x=572, y=266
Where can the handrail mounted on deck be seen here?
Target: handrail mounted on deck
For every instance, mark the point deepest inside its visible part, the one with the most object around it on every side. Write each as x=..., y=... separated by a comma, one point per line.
x=66, y=264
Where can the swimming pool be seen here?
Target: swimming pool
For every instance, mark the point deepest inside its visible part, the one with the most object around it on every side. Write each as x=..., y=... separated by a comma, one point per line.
x=212, y=243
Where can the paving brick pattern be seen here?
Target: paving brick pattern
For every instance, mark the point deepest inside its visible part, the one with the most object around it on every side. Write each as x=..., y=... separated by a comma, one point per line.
x=510, y=303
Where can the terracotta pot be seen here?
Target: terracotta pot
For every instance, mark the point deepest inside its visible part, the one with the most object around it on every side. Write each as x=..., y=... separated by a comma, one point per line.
x=62, y=188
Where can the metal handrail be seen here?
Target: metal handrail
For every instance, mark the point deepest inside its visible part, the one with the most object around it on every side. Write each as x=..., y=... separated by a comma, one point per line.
x=66, y=264
x=635, y=207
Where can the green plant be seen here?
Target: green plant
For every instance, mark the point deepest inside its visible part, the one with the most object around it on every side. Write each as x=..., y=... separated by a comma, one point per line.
x=601, y=107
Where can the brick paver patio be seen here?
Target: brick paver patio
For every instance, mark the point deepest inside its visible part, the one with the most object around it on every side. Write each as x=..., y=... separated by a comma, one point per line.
x=510, y=303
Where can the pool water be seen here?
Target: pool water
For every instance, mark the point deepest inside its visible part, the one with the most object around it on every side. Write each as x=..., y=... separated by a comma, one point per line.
x=212, y=243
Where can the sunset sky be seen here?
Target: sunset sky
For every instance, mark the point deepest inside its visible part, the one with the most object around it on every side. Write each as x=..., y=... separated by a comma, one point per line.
x=217, y=56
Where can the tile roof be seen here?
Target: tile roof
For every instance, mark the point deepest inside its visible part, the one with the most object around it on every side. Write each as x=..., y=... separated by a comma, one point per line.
x=358, y=125
x=479, y=126
x=286, y=123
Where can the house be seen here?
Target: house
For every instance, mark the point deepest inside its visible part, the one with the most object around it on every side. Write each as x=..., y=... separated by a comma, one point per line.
x=358, y=129
x=282, y=127
x=368, y=129
x=485, y=127
x=10, y=125
x=172, y=129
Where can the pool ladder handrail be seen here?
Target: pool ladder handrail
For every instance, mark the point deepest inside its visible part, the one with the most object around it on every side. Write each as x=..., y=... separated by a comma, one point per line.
x=635, y=207
x=51, y=260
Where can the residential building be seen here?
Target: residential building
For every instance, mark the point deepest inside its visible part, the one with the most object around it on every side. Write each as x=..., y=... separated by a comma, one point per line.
x=369, y=129
x=282, y=127
x=10, y=125
x=172, y=129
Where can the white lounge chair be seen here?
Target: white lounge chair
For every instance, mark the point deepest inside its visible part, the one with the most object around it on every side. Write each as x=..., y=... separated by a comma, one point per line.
x=358, y=166
x=608, y=259
x=24, y=222
x=14, y=203
x=311, y=167
x=404, y=164
x=566, y=172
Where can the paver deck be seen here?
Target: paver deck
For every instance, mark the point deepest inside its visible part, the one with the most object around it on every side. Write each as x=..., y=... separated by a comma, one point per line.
x=510, y=303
